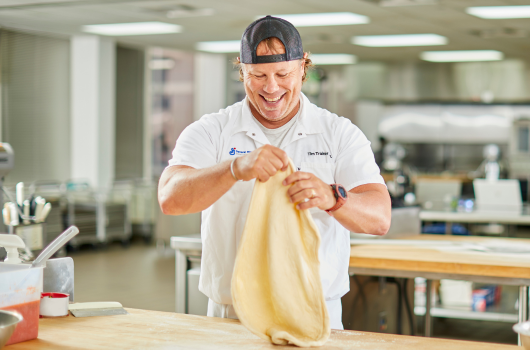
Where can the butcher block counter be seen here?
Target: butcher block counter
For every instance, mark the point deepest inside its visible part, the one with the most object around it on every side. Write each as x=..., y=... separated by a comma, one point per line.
x=143, y=329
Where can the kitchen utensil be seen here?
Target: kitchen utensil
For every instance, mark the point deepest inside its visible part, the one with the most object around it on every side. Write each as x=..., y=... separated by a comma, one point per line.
x=25, y=210
x=19, y=189
x=13, y=212
x=523, y=329
x=8, y=323
x=45, y=211
x=103, y=308
x=54, y=246
x=6, y=216
x=54, y=304
x=59, y=276
x=39, y=204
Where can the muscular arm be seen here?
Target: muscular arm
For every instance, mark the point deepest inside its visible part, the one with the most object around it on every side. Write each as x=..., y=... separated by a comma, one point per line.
x=185, y=190
x=367, y=210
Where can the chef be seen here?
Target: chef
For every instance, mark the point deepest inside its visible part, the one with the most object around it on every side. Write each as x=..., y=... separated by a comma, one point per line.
x=217, y=159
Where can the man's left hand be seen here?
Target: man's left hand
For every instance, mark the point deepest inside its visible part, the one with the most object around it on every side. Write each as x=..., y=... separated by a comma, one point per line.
x=309, y=191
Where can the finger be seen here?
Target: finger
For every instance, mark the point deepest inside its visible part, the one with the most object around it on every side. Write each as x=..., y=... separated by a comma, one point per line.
x=263, y=176
x=296, y=176
x=300, y=197
x=276, y=163
x=300, y=186
x=270, y=168
x=312, y=203
x=282, y=155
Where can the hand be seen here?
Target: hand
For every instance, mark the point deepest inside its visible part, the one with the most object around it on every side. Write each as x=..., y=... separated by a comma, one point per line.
x=309, y=191
x=261, y=163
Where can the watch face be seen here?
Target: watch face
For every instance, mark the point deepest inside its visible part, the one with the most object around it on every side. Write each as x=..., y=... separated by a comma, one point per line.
x=342, y=191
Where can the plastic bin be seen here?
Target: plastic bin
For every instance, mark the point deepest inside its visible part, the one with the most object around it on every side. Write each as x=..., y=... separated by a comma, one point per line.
x=20, y=291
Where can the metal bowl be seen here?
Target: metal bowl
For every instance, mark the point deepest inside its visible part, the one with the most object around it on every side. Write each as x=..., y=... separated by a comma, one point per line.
x=523, y=329
x=8, y=323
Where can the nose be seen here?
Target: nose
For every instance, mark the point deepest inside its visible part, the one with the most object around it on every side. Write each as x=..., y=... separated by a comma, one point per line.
x=271, y=86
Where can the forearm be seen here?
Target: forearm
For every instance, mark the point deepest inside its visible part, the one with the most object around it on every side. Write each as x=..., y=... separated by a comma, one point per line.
x=366, y=212
x=185, y=190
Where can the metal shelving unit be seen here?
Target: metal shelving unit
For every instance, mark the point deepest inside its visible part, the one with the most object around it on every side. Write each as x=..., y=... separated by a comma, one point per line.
x=491, y=314
x=504, y=311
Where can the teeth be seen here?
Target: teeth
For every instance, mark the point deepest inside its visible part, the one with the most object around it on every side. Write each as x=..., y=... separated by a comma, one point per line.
x=272, y=99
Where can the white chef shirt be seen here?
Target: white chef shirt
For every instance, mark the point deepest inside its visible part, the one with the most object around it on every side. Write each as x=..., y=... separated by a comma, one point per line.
x=320, y=142
x=276, y=136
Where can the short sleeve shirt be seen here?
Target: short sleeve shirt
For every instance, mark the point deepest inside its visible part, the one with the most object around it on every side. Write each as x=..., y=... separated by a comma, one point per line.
x=320, y=142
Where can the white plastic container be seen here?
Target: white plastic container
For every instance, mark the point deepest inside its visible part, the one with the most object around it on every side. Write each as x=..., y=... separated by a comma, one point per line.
x=54, y=304
x=20, y=291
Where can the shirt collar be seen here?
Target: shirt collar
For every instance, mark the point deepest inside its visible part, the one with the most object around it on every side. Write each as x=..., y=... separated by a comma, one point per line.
x=308, y=121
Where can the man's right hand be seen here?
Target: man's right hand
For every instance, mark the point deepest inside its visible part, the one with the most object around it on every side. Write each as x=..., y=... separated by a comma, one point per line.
x=261, y=164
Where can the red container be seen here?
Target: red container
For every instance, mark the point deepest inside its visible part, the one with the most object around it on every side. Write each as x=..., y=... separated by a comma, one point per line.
x=28, y=328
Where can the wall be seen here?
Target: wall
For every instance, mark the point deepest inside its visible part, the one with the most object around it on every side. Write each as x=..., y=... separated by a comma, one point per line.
x=36, y=105
x=129, y=113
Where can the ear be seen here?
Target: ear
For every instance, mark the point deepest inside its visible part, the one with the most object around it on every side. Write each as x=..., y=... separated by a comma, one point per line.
x=238, y=60
x=303, y=59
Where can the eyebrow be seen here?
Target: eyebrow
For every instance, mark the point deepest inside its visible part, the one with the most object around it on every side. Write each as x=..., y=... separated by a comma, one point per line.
x=281, y=71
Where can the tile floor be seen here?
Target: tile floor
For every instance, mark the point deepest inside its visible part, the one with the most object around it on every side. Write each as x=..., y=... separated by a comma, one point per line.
x=139, y=276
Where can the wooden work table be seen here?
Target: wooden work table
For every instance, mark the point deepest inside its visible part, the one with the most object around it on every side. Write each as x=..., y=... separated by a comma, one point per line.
x=424, y=256
x=143, y=329
x=386, y=255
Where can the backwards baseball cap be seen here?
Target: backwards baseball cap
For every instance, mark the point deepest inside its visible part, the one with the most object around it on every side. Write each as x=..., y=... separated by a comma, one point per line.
x=268, y=27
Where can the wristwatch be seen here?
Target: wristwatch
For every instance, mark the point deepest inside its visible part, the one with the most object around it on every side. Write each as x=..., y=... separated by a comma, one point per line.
x=341, y=195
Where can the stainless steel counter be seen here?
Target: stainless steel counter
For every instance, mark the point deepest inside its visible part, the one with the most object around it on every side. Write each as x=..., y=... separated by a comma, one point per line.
x=498, y=217
x=186, y=248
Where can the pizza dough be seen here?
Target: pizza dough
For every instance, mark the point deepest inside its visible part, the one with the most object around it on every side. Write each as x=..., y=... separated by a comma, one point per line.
x=276, y=287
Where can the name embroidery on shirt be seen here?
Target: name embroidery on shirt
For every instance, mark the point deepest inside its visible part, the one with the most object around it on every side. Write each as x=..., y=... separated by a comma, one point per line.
x=317, y=153
x=233, y=151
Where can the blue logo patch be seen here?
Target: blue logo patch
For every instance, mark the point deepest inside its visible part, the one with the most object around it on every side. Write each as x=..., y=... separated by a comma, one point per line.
x=233, y=151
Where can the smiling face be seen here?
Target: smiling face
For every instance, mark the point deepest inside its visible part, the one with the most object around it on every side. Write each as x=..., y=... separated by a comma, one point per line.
x=273, y=89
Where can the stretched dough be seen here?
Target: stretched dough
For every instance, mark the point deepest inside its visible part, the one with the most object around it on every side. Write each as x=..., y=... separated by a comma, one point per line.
x=276, y=287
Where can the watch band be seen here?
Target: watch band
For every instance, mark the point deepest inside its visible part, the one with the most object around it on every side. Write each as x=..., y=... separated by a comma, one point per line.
x=341, y=200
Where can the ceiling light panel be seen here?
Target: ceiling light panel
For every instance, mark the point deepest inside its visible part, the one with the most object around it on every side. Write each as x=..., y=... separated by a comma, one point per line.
x=324, y=19
x=499, y=12
x=333, y=59
x=392, y=3
x=462, y=56
x=138, y=28
x=399, y=40
x=219, y=46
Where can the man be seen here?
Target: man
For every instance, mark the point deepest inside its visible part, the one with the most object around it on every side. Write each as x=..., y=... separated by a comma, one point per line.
x=217, y=159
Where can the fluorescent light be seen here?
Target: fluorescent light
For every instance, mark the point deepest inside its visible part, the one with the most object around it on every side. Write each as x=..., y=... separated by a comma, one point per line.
x=324, y=19
x=462, y=56
x=499, y=12
x=399, y=40
x=138, y=28
x=332, y=58
x=219, y=46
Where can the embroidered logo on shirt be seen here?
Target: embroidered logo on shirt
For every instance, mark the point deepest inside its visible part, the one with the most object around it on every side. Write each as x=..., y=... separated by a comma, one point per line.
x=318, y=154
x=233, y=151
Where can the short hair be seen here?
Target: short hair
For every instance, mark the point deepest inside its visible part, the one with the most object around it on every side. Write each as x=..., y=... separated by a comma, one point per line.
x=272, y=44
